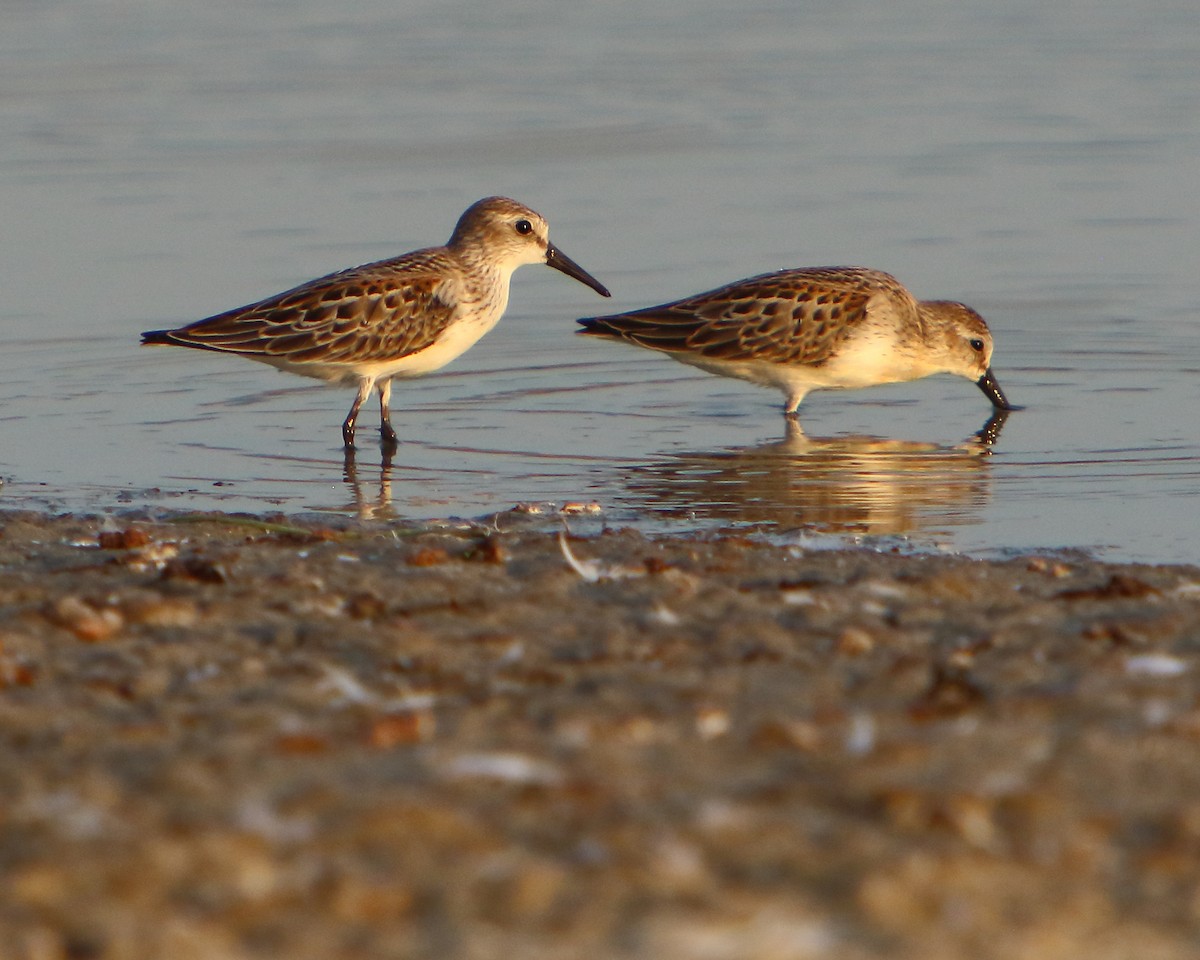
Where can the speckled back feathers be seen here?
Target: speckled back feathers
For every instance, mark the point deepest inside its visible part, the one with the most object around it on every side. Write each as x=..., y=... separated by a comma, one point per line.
x=368, y=313
x=787, y=317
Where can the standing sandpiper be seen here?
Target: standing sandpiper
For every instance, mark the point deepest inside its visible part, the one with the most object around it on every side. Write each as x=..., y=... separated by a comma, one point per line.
x=814, y=328
x=403, y=317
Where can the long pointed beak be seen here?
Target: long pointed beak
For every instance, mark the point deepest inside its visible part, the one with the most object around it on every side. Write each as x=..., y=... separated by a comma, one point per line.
x=991, y=389
x=560, y=261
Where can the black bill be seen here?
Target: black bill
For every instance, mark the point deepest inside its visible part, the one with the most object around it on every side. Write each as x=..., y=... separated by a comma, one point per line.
x=560, y=261
x=991, y=389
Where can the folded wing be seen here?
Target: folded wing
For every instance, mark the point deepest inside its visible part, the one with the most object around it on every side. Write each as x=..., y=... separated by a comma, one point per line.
x=791, y=316
x=382, y=311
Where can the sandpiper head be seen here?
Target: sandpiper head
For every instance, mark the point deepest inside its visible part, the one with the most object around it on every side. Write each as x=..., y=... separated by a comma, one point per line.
x=509, y=235
x=968, y=346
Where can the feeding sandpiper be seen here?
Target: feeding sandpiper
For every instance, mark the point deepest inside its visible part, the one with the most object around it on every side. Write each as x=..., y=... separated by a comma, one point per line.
x=814, y=328
x=403, y=317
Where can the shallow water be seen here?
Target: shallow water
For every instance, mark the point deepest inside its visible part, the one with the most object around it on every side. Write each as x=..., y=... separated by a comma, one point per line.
x=165, y=162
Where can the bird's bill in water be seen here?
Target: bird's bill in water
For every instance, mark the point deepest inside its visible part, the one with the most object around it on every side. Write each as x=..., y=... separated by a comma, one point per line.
x=560, y=261
x=991, y=389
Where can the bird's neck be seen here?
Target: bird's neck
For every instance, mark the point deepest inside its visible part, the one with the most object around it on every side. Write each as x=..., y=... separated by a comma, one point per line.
x=488, y=282
x=931, y=319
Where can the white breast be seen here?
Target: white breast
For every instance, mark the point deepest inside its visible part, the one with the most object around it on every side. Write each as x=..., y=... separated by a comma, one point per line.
x=455, y=340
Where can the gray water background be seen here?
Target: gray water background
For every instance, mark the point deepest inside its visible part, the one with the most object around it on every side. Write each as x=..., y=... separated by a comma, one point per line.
x=161, y=162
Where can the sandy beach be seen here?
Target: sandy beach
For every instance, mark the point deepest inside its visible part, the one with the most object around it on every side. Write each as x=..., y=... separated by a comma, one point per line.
x=245, y=737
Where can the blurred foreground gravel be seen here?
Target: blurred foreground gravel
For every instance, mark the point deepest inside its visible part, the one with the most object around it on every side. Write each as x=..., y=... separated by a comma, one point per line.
x=225, y=737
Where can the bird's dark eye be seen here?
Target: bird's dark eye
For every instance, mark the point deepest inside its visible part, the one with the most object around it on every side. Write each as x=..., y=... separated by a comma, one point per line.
x=976, y=345
x=523, y=227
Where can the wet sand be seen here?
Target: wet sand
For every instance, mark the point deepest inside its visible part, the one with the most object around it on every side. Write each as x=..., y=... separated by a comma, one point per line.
x=229, y=737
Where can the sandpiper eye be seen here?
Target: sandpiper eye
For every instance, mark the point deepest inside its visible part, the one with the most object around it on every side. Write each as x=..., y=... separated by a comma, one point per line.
x=524, y=227
x=976, y=345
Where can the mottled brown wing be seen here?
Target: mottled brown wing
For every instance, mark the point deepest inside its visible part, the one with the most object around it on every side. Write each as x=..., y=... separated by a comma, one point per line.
x=376, y=312
x=792, y=316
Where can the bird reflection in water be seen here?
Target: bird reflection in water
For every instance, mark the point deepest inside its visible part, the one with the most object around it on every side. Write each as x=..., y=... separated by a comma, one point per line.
x=853, y=484
x=371, y=501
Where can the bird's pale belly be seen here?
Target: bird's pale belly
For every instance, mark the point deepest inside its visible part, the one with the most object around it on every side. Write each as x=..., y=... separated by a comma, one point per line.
x=455, y=340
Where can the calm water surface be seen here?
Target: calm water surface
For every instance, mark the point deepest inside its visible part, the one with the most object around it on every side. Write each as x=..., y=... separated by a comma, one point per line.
x=165, y=162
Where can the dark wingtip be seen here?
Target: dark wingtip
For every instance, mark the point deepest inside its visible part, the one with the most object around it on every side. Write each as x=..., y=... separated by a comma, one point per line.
x=593, y=325
x=152, y=337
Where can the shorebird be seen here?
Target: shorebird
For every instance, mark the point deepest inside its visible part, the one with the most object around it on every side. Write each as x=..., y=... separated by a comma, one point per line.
x=814, y=328
x=403, y=317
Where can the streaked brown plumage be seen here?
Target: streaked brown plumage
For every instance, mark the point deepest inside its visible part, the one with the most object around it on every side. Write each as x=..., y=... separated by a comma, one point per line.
x=812, y=328
x=403, y=317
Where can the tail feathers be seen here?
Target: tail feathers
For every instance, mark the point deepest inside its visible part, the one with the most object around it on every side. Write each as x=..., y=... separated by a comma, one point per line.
x=183, y=337
x=669, y=332
x=597, y=325
x=151, y=337
x=615, y=327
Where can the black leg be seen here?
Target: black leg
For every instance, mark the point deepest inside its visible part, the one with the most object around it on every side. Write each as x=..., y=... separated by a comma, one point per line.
x=387, y=435
x=364, y=391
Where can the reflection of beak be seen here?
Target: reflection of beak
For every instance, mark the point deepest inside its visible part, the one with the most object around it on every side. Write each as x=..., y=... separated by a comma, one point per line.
x=991, y=389
x=991, y=430
x=560, y=261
